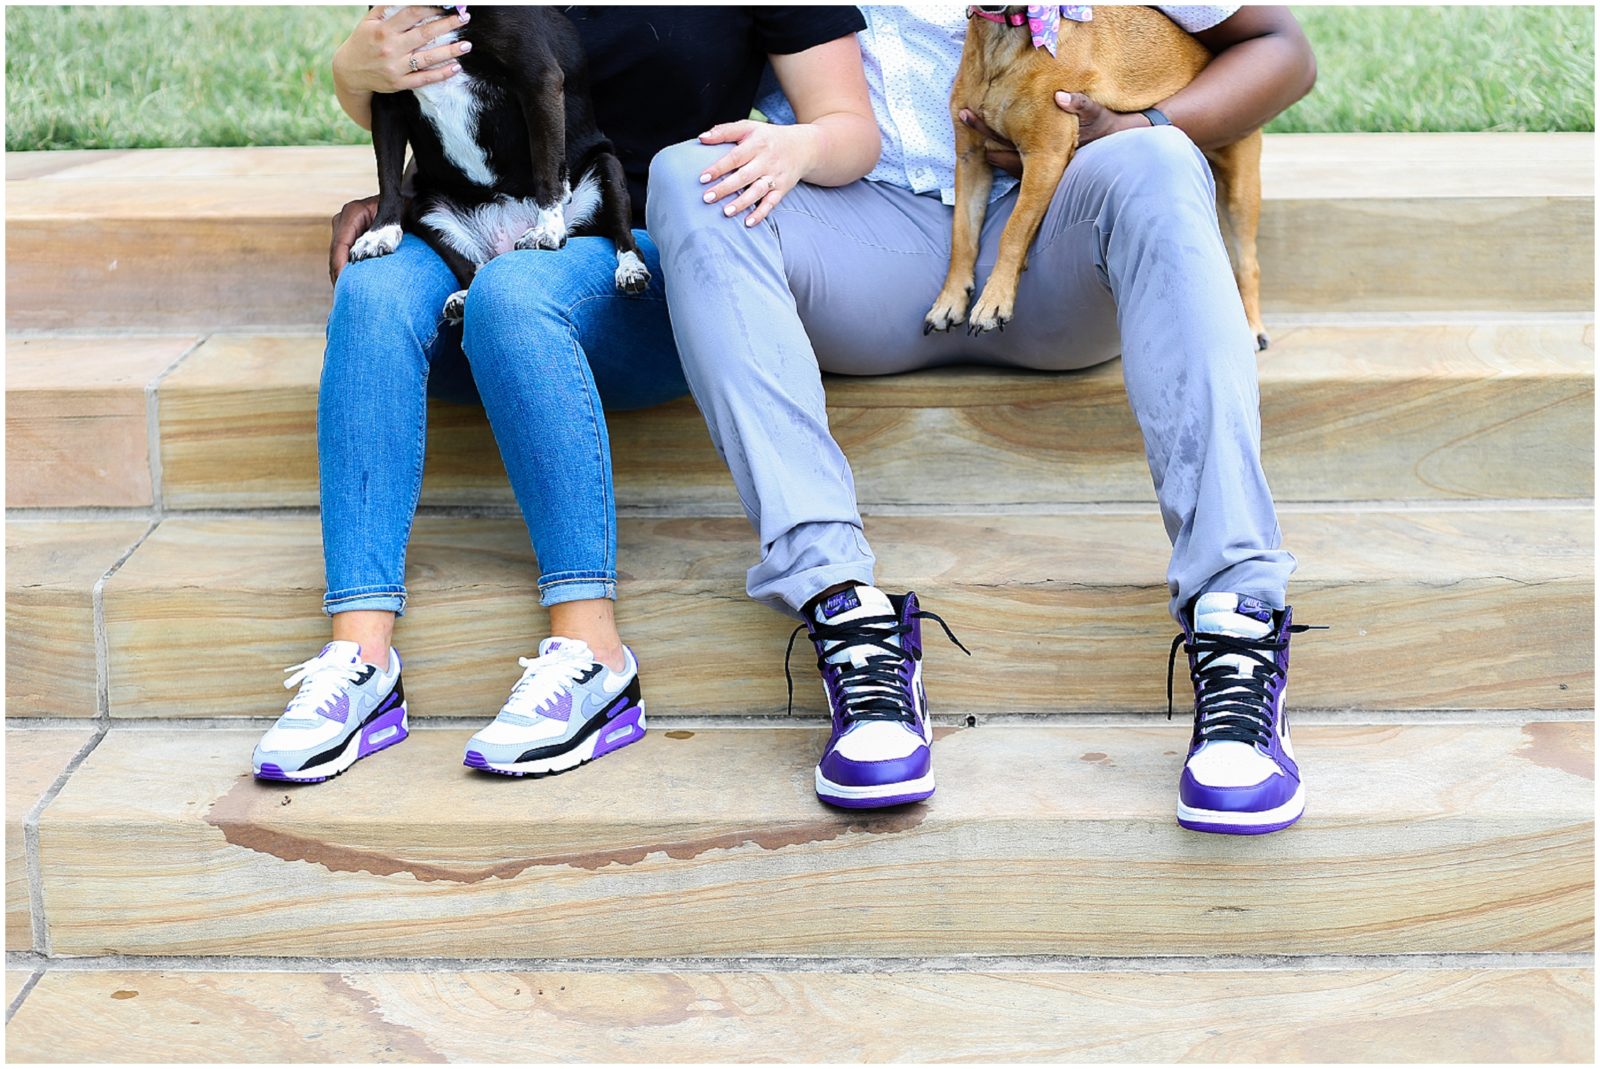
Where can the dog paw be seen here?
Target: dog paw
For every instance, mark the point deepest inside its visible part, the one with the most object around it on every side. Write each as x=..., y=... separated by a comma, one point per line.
x=549, y=230
x=632, y=275
x=946, y=313
x=989, y=314
x=374, y=243
x=455, y=307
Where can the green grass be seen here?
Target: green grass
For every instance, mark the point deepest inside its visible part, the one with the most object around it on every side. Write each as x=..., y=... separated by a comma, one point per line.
x=145, y=77
x=1447, y=68
x=134, y=77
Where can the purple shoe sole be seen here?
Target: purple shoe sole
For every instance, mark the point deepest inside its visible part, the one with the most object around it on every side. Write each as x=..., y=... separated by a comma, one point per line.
x=1237, y=829
x=629, y=718
x=395, y=718
x=876, y=803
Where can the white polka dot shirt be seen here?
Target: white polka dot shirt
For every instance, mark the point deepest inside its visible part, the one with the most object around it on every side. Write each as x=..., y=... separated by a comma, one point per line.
x=911, y=54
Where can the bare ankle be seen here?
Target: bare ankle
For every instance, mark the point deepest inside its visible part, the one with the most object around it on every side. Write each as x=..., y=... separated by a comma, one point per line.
x=593, y=622
x=371, y=630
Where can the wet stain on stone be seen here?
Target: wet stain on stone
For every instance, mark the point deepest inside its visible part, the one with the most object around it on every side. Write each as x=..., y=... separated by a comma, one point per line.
x=1093, y=757
x=1565, y=747
x=243, y=817
x=400, y=1038
x=124, y=994
x=680, y=734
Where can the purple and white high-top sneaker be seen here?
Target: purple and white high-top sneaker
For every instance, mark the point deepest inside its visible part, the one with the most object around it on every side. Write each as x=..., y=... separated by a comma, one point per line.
x=343, y=711
x=1240, y=777
x=869, y=650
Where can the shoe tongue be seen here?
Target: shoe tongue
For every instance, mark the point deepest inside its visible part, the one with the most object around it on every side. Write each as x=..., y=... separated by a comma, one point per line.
x=565, y=647
x=857, y=603
x=341, y=653
x=1230, y=614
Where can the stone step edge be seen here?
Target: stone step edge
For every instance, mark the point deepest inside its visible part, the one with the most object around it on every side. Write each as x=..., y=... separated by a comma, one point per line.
x=950, y=963
x=1142, y=1014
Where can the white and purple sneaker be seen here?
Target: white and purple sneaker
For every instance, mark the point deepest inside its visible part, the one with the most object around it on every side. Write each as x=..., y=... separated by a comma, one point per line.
x=344, y=710
x=1240, y=777
x=869, y=650
x=566, y=710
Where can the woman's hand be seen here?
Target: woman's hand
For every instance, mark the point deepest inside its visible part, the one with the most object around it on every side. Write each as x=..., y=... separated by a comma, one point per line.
x=389, y=55
x=1094, y=122
x=378, y=57
x=766, y=161
x=353, y=220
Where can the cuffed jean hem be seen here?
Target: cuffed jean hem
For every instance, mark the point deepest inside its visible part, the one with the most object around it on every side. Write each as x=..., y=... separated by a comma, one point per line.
x=374, y=599
x=579, y=586
x=790, y=594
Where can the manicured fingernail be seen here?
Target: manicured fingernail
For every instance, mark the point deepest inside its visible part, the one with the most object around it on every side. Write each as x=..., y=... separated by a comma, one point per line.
x=466, y=17
x=455, y=68
x=466, y=46
x=750, y=221
x=704, y=179
x=709, y=197
x=728, y=210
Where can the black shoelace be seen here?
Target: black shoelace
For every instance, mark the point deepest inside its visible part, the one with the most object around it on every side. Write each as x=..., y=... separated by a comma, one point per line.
x=1230, y=705
x=872, y=690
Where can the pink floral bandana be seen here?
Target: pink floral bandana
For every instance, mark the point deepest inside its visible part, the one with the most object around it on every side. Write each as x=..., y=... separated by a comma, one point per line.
x=1044, y=22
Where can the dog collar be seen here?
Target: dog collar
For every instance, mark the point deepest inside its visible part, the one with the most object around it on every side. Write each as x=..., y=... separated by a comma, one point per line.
x=1043, y=20
x=1015, y=18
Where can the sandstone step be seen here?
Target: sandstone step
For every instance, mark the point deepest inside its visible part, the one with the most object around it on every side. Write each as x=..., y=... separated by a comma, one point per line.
x=1495, y=408
x=51, y=571
x=1170, y=1015
x=33, y=761
x=239, y=236
x=1041, y=840
x=77, y=425
x=1428, y=609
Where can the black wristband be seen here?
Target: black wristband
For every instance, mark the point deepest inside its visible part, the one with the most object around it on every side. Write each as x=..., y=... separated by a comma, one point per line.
x=1156, y=117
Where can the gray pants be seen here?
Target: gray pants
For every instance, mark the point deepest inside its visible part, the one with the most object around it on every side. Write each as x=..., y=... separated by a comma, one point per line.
x=1128, y=259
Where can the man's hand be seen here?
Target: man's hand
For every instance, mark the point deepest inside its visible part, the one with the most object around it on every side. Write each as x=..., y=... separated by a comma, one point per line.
x=353, y=220
x=1094, y=121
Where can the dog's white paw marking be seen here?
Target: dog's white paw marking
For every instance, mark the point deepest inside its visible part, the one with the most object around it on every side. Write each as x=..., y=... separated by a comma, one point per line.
x=947, y=311
x=549, y=230
x=632, y=275
x=379, y=242
x=455, y=307
x=990, y=313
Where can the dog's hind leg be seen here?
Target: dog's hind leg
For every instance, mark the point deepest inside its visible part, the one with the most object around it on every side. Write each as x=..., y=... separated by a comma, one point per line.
x=389, y=145
x=1041, y=173
x=459, y=264
x=614, y=219
x=974, y=179
x=1237, y=168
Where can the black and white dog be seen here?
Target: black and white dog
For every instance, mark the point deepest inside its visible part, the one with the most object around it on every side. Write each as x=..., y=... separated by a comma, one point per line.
x=497, y=148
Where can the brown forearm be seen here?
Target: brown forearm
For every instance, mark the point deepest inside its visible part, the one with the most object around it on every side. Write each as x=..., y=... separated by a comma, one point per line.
x=1263, y=63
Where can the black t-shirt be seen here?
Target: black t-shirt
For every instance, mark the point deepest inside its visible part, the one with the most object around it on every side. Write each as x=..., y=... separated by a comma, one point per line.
x=660, y=75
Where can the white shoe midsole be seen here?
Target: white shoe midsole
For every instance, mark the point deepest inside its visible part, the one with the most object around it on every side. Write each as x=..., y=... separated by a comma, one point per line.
x=826, y=786
x=1287, y=811
x=571, y=759
x=347, y=756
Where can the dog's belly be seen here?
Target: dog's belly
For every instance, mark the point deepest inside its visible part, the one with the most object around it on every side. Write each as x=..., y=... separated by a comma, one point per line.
x=487, y=230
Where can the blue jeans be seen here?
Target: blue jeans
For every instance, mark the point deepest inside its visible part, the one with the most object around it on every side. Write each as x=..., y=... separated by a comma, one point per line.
x=548, y=343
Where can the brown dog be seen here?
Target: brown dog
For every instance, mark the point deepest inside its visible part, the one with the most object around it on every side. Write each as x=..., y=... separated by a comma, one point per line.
x=1125, y=58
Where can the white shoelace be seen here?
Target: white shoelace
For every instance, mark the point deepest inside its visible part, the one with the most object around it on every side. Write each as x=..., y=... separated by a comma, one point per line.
x=320, y=682
x=543, y=680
